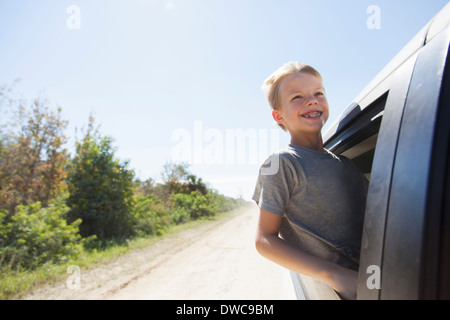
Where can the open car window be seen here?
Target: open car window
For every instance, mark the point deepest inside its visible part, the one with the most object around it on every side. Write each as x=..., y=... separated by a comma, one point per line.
x=358, y=138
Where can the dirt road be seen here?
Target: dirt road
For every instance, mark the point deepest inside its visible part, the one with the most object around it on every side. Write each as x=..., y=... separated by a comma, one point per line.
x=216, y=260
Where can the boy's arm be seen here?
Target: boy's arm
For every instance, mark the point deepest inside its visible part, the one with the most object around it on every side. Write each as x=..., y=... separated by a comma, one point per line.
x=272, y=247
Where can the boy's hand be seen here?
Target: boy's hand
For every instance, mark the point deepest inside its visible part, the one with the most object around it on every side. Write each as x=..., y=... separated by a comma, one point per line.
x=345, y=282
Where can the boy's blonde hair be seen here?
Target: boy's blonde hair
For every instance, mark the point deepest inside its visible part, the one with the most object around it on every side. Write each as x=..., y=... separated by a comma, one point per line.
x=271, y=85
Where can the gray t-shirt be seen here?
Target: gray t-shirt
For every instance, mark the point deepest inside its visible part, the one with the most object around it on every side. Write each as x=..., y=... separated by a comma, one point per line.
x=321, y=198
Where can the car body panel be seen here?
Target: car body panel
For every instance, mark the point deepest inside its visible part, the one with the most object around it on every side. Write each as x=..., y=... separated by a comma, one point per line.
x=407, y=211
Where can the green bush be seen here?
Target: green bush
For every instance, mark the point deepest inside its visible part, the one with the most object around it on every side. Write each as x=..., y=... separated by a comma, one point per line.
x=150, y=216
x=36, y=235
x=195, y=204
x=180, y=215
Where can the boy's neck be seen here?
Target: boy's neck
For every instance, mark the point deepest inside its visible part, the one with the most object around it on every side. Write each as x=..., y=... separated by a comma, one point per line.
x=313, y=142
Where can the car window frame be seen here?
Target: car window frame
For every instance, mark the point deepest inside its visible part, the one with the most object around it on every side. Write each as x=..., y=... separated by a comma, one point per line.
x=381, y=176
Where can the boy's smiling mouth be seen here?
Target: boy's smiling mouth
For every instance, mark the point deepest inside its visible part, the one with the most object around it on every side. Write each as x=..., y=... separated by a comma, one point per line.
x=313, y=114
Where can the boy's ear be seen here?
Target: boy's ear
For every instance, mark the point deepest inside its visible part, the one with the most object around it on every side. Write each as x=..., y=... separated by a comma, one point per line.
x=277, y=116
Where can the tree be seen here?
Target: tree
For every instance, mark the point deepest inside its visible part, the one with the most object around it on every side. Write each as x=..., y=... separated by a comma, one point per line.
x=180, y=180
x=144, y=188
x=175, y=176
x=100, y=187
x=196, y=184
x=32, y=156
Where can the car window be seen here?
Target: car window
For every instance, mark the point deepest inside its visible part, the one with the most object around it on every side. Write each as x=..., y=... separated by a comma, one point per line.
x=357, y=139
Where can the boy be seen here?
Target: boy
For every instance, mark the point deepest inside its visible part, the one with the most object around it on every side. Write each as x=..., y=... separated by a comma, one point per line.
x=312, y=205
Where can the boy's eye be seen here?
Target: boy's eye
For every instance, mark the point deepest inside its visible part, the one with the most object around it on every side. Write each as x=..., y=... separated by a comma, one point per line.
x=296, y=97
x=319, y=94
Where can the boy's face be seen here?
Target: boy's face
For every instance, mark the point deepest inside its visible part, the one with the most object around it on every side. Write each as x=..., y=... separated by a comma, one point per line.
x=304, y=107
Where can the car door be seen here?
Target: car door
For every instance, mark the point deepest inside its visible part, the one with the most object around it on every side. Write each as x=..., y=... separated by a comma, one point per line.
x=398, y=135
x=406, y=223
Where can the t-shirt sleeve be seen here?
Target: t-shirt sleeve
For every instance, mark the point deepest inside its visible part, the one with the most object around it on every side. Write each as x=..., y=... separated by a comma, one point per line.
x=274, y=185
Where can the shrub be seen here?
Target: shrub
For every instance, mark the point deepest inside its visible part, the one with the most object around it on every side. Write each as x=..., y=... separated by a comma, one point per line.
x=150, y=216
x=195, y=204
x=180, y=215
x=36, y=235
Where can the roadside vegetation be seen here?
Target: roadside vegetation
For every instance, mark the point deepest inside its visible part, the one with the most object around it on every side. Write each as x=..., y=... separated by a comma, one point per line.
x=58, y=209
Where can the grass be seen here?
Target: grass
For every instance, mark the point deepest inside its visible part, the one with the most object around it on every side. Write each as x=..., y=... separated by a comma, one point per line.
x=15, y=283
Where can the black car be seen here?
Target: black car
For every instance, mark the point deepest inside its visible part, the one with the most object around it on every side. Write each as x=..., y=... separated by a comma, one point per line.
x=398, y=133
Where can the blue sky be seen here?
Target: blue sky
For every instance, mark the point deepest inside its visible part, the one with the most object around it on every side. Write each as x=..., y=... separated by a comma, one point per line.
x=150, y=70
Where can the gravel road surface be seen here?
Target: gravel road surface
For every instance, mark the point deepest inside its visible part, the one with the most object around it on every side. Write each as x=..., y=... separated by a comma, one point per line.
x=214, y=261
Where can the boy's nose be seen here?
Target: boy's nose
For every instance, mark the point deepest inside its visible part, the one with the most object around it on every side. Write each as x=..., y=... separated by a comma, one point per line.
x=312, y=101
